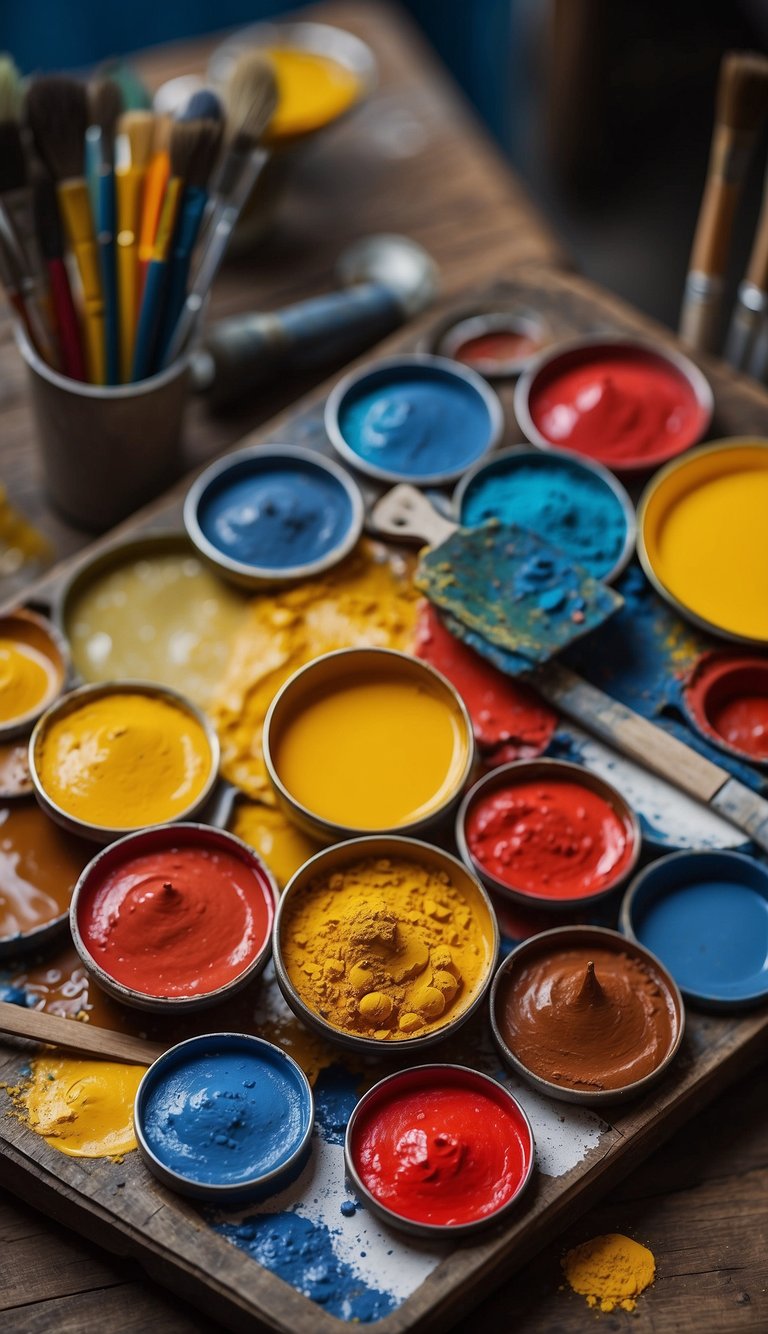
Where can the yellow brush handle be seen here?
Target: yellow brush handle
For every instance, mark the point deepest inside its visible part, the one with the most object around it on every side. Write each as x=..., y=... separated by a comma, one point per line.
x=76, y=214
x=129, y=182
x=168, y=215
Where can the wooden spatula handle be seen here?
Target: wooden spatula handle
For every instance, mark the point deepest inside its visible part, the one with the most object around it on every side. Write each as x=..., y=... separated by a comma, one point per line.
x=73, y=1036
x=405, y=513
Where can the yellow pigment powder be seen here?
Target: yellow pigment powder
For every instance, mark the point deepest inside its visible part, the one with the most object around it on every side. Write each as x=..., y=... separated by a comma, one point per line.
x=124, y=761
x=282, y=846
x=82, y=1108
x=368, y=600
x=386, y=948
x=610, y=1271
x=312, y=91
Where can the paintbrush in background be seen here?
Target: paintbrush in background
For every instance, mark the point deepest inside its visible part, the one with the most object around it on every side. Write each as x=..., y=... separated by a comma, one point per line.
x=155, y=182
x=742, y=105
x=106, y=103
x=57, y=111
x=133, y=149
x=51, y=241
x=745, y=346
x=11, y=279
x=251, y=100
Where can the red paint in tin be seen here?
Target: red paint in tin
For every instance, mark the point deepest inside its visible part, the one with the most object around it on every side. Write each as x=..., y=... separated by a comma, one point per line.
x=727, y=698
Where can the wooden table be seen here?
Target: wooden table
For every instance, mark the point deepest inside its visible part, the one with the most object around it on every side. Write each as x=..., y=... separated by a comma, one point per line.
x=701, y=1202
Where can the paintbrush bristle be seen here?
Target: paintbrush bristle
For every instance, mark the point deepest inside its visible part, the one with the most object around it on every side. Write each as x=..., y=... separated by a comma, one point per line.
x=204, y=104
x=206, y=153
x=161, y=138
x=46, y=210
x=138, y=128
x=742, y=91
x=10, y=90
x=251, y=98
x=13, y=166
x=57, y=111
x=105, y=103
x=185, y=136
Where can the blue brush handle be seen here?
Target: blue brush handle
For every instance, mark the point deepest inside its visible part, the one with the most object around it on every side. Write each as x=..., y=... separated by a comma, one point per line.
x=149, y=319
x=108, y=260
x=191, y=216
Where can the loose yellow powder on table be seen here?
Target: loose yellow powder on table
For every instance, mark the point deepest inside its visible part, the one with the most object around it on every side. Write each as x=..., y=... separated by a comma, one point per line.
x=367, y=601
x=610, y=1271
x=386, y=948
x=82, y=1108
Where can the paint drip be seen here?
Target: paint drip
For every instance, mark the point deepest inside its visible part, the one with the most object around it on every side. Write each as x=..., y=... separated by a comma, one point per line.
x=82, y=1108
x=610, y=1271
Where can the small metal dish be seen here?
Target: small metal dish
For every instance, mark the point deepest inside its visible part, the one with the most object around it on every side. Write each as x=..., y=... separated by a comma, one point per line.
x=341, y=855
x=101, y=833
x=412, y=364
x=526, y=771
x=258, y=459
x=241, y=1192
x=717, y=679
x=45, y=933
x=566, y=937
x=160, y=839
x=36, y=632
x=459, y=331
x=427, y=1078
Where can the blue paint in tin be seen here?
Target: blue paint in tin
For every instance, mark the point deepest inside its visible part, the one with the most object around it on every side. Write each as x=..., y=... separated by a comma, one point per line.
x=706, y=917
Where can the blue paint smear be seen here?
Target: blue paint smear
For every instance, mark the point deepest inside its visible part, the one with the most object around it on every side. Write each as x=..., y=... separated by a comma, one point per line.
x=15, y=995
x=565, y=503
x=418, y=421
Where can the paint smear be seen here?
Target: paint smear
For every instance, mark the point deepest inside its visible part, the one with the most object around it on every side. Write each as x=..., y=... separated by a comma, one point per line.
x=82, y=1108
x=610, y=1271
x=282, y=846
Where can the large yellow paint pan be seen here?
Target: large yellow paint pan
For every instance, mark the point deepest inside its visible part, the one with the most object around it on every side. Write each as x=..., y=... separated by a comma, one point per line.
x=702, y=537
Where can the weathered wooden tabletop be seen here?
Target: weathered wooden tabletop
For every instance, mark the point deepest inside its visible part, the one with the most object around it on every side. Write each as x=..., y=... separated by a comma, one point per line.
x=701, y=1202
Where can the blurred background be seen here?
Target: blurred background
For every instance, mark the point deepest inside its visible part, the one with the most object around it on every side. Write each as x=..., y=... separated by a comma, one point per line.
x=604, y=107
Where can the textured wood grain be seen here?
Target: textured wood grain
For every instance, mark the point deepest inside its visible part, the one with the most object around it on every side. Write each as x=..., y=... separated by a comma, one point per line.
x=85, y=1040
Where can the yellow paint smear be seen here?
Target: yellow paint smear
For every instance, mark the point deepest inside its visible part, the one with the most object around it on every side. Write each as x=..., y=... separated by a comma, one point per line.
x=610, y=1271
x=282, y=846
x=313, y=90
x=82, y=1108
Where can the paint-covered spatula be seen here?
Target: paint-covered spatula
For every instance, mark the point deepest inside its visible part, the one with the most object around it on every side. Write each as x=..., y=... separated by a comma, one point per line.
x=405, y=513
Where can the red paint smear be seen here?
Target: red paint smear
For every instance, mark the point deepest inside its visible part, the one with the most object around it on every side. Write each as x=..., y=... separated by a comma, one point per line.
x=621, y=407
x=727, y=696
x=550, y=839
x=178, y=922
x=508, y=718
x=445, y=1153
x=501, y=347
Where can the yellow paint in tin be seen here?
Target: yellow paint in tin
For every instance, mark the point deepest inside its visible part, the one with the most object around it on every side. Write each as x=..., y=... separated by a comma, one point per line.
x=313, y=90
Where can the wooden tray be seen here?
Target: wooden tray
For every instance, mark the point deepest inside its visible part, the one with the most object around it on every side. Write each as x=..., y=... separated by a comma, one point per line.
x=121, y=1207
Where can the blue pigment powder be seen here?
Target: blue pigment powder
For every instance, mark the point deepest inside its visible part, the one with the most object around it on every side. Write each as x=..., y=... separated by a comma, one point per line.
x=568, y=505
x=276, y=515
x=225, y=1117
x=416, y=421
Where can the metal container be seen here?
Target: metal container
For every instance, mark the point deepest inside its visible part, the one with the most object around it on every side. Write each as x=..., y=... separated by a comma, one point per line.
x=225, y=1195
x=573, y=351
x=254, y=459
x=717, y=678
x=341, y=855
x=159, y=839
x=38, y=937
x=29, y=628
x=330, y=670
x=378, y=372
x=507, y=459
x=526, y=771
x=73, y=700
x=566, y=937
x=460, y=328
x=427, y=1077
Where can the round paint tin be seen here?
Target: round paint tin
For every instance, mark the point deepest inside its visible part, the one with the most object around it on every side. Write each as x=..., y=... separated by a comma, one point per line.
x=573, y=503
x=701, y=538
x=726, y=700
x=387, y=944
x=175, y=918
x=416, y=418
x=273, y=514
x=225, y=1118
x=565, y=1015
x=546, y=828
x=440, y=1151
x=39, y=867
x=706, y=916
x=33, y=669
x=498, y=344
x=188, y=761
x=627, y=404
x=367, y=740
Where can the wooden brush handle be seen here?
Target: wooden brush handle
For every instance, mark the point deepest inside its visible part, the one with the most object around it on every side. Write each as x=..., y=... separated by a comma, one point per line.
x=72, y=1035
x=405, y=513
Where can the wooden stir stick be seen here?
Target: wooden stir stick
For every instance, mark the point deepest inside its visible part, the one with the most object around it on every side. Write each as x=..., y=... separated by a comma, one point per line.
x=72, y=1036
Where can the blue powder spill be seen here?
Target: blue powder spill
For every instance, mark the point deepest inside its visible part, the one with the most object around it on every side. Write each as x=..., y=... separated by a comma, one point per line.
x=301, y=1253
x=337, y=1093
x=348, y=1208
x=416, y=421
x=564, y=503
x=276, y=515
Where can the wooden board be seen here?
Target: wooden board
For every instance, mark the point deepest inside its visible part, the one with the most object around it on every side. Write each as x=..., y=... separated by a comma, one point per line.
x=171, y=1239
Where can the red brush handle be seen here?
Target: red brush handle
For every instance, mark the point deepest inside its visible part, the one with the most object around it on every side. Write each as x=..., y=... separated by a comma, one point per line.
x=67, y=324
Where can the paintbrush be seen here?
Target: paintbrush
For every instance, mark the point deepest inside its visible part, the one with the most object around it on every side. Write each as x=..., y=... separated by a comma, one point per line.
x=132, y=153
x=51, y=241
x=10, y=278
x=251, y=101
x=106, y=104
x=57, y=111
x=16, y=1021
x=742, y=104
x=155, y=181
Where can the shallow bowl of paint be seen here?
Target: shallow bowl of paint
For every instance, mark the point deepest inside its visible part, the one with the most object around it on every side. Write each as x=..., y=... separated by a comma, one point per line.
x=613, y=407
x=701, y=538
x=184, y=1118
x=87, y=694
x=487, y=491
x=273, y=514
x=417, y=1091
x=548, y=944
x=39, y=867
x=366, y=741
x=498, y=343
x=726, y=700
x=416, y=418
x=545, y=772
x=38, y=647
x=439, y=865
x=96, y=908
x=705, y=914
